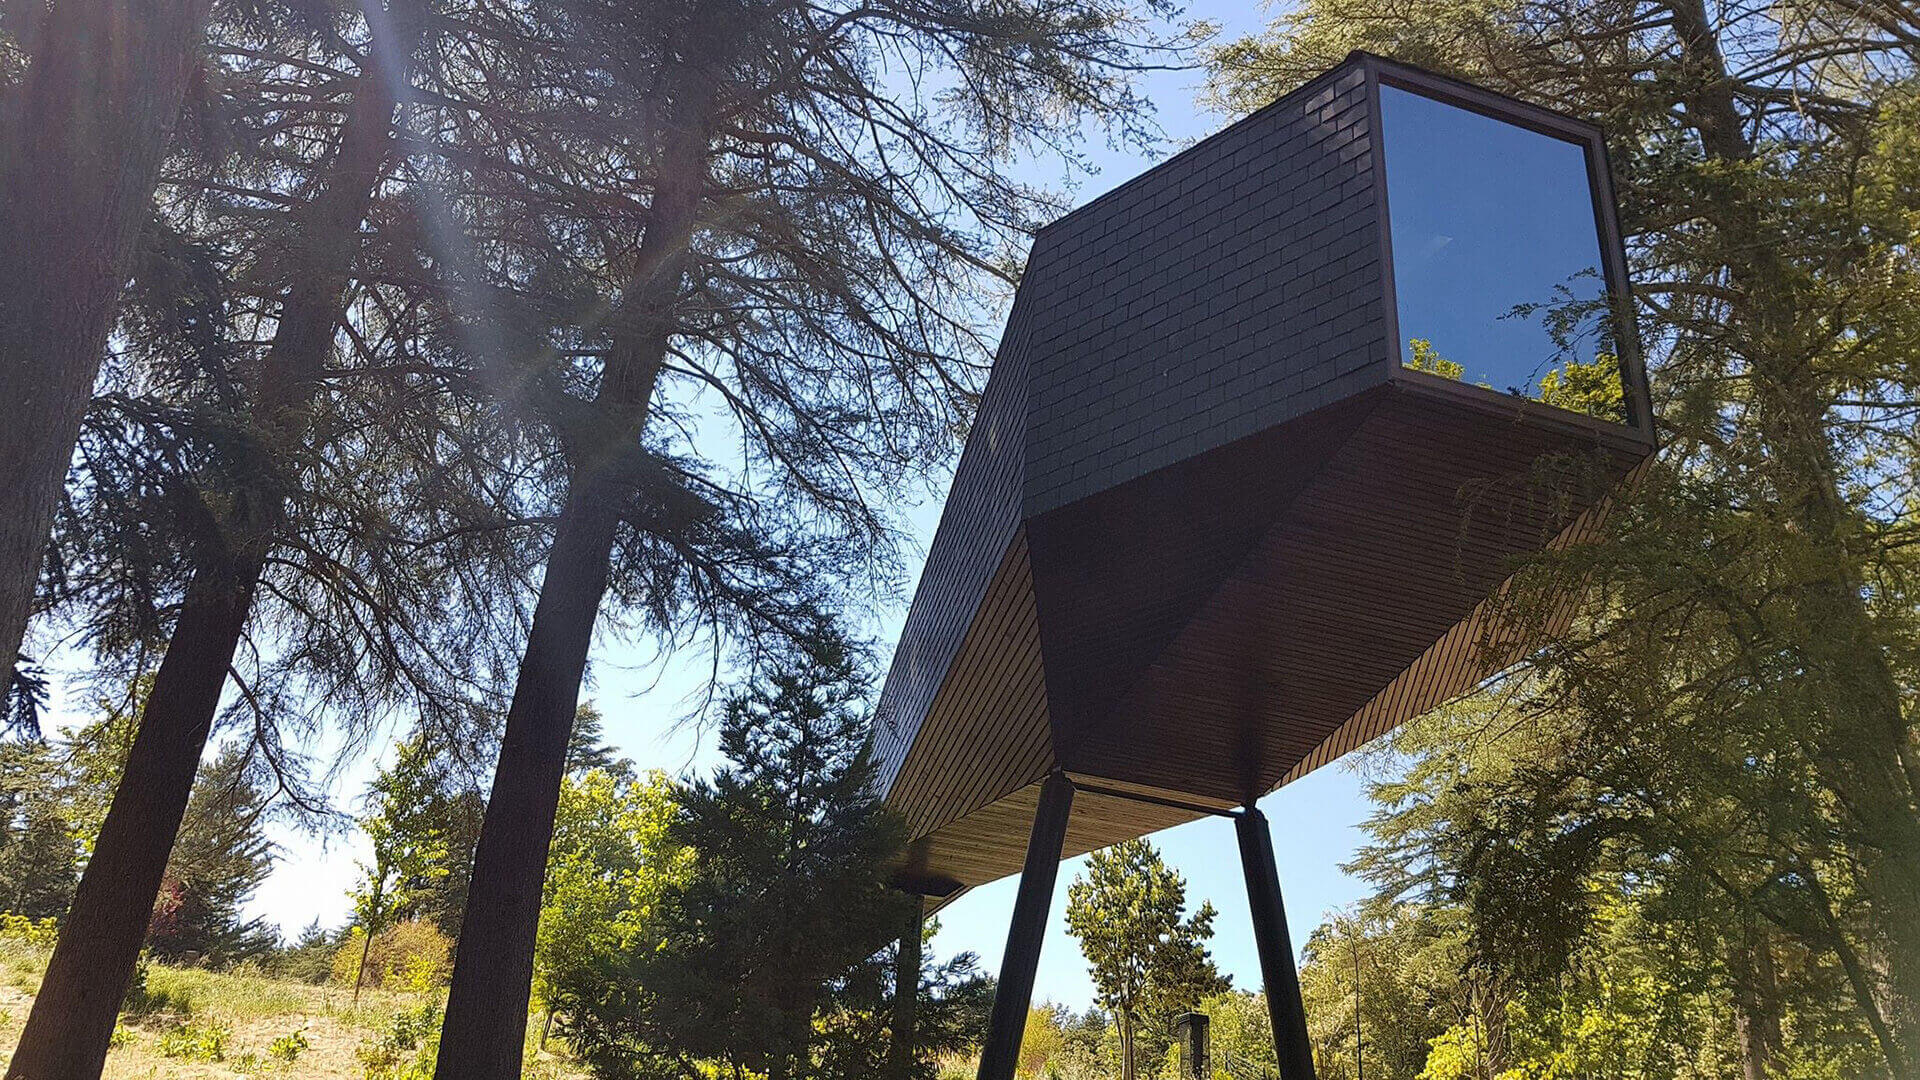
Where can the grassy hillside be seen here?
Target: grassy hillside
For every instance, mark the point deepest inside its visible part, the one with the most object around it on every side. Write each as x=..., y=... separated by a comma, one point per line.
x=204, y=1024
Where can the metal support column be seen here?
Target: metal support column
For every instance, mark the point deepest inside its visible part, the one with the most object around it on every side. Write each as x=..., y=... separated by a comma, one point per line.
x=1270, y=937
x=906, y=992
x=1015, y=994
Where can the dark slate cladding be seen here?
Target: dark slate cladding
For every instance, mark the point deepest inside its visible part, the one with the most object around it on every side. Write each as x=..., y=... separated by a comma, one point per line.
x=1206, y=533
x=982, y=514
x=1233, y=287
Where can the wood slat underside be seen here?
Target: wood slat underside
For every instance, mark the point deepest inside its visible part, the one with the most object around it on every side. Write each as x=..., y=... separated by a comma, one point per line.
x=990, y=842
x=1395, y=541
x=1454, y=665
x=986, y=734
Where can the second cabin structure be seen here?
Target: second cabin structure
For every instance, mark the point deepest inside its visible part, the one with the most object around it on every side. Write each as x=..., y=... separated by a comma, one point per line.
x=1268, y=425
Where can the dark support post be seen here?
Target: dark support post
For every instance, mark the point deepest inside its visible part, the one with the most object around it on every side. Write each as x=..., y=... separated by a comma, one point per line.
x=1015, y=995
x=906, y=992
x=1284, y=1008
x=1190, y=1034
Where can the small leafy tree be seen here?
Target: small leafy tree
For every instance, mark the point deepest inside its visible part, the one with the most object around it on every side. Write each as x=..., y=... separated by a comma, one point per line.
x=610, y=860
x=409, y=842
x=1148, y=957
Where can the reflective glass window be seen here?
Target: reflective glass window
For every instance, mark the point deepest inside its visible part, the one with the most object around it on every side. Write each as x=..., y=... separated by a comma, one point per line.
x=1496, y=256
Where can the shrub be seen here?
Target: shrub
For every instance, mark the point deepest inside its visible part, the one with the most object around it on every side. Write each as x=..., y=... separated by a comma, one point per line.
x=288, y=1047
x=412, y=955
x=39, y=933
x=204, y=1041
x=407, y=1049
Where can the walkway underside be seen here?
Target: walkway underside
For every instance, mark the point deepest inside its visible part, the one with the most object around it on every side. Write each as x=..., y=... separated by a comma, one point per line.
x=1219, y=627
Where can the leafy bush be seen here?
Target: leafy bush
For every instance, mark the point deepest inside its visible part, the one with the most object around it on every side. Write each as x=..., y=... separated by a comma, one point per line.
x=203, y=1041
x=407, y=1049
x=39, y=933
x=413, y=955
x=288, y=1047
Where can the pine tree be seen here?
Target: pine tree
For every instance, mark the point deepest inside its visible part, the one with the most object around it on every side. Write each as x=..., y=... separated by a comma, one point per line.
x=39, y=854
x=221, y=857
x=801, y=248
x=83, y=129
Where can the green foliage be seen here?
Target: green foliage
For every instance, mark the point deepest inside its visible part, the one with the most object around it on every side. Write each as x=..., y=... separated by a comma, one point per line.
x=196, y=1040
x=422, y=822
x=410, y=955
x=144, y=1000
x=1148, y=958
x=408, y=1047
x=220, y=857
x=1720, y=750
x=1242, y=1035
x=286, y=1049
x=750, y=957
x=38, y=850
x=610, y=860
x=310, y=958
x=1591, y=387
x=1421, y=356
x=36, y=933
x=1059, y=1045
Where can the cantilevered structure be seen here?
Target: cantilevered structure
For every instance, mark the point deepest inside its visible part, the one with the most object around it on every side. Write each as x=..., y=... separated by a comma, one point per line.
x=1266, y=430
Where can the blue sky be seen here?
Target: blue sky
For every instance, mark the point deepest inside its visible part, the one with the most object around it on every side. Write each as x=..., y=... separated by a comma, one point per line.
x=1315, y=822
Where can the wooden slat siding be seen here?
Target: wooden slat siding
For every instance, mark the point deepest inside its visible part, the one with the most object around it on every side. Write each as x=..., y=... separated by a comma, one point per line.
x=977, y=527
x=986, y=733
x=1121, y=573
x=1233, y=287
x=1001, y=629
x=990, y=843
x=1451, y=667
x=1334, y=605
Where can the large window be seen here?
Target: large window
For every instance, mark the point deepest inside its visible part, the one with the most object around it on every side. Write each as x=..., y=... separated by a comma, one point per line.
x=1496, y=256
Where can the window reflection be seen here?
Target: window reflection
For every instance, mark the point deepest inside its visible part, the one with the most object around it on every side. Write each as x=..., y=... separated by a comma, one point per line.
x=1496, y=257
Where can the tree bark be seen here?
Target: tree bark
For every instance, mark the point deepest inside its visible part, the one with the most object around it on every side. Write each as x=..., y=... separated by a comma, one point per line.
x=906, y=993
x=71, y=1025
x=67, y=1033
x=483, y=1034
x=81, y=140
x=1756, y=1003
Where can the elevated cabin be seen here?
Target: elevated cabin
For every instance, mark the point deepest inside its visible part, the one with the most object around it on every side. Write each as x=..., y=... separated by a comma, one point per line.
x=1263, y=434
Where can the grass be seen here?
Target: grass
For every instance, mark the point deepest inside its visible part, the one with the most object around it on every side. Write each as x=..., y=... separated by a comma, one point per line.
x=239, y=1024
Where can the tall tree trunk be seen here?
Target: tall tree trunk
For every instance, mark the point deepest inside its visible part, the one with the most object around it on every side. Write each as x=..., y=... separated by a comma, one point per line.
x=901, y=1046
x=1859, y=741
x=67, y=1034
x=484, y=1031
x=72, y=1021
x=81, y=140
x=1756, y=1003
x=1127, y=1070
